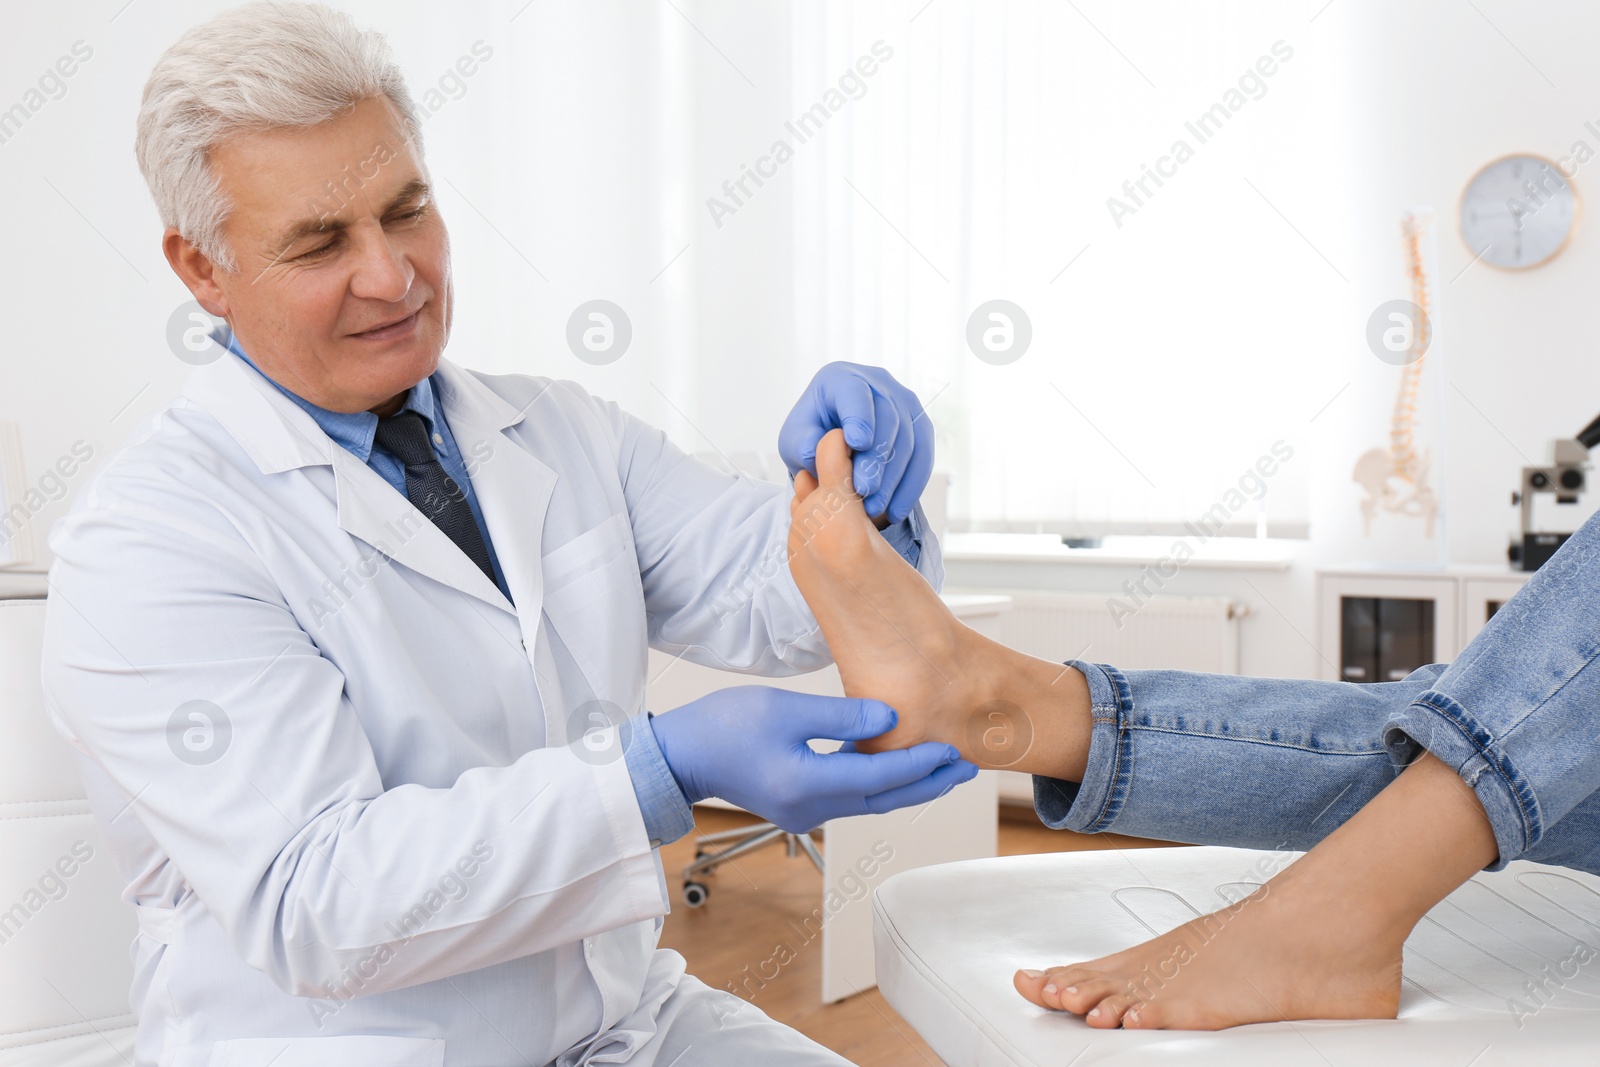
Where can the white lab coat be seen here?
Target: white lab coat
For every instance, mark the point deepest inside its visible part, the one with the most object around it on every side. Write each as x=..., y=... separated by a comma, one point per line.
x=398, y=857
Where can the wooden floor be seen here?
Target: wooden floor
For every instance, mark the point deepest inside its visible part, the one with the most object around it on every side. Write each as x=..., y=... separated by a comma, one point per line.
x=758, y=902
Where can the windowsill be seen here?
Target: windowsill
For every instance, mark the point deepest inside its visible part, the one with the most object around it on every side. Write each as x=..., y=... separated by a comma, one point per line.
x=1218, y=553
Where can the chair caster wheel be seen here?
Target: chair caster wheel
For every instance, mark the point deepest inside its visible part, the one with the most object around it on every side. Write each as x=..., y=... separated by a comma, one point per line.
x=695, y=893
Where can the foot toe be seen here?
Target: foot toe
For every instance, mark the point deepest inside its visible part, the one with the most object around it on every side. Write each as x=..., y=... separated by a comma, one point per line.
x=1029, y=983
x=1082, y=992
x=1047, y=988
x=1107, y=1015
x=1144, y=1015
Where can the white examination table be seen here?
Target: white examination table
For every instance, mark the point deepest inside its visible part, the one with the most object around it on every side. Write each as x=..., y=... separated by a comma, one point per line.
x=950, y=937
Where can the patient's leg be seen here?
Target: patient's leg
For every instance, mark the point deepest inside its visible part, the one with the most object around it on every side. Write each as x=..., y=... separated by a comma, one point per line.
x=1220, y=760
x=1322, y=940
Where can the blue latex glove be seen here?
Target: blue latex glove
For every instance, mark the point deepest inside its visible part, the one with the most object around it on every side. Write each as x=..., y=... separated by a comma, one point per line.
x=883, y=424
x=748, y=745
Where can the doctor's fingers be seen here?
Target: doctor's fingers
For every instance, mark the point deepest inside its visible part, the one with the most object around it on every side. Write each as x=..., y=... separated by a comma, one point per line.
x=801, y=717
x=837, y=397
x=879, y=772
x=889, y=457
x=873, y=458
x=852, y=401
x=797, y=440
x=907, y=489
x=931, y=787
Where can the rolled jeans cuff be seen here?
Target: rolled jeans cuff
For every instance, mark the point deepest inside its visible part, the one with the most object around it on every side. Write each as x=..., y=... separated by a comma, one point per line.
x=1437, y=723
x=1090, y=806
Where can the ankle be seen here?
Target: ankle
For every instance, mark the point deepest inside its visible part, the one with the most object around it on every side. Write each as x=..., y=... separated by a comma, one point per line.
x=1046, y=706
x=1340, y=906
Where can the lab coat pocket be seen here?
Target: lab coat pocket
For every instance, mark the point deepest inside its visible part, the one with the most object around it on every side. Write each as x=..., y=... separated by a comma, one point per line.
x=369, y=1051
x=588, y=552
x=595, y=600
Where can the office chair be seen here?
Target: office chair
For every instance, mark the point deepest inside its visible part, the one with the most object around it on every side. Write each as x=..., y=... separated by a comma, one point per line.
x=745, y=839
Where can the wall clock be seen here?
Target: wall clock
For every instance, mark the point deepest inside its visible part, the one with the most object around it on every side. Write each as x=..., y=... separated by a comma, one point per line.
x=1518, y=212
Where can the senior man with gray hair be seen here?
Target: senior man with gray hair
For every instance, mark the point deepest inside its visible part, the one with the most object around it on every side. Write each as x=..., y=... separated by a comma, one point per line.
x=351, y=640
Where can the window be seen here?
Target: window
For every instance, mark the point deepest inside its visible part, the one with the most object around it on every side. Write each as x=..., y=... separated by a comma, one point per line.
x=1158, y=188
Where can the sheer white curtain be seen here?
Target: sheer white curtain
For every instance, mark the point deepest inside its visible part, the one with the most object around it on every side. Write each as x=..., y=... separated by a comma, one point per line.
x=563, y=170
x=1174, y=343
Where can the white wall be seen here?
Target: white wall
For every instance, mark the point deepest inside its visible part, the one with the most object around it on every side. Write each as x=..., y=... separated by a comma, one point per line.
x=1440, y=89
x=595, y=134
x=1439, y=93
x=1436, y=92
x=572, y=167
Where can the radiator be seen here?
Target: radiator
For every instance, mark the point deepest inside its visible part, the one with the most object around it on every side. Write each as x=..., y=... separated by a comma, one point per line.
x=1175, y=632
x=1172, y=632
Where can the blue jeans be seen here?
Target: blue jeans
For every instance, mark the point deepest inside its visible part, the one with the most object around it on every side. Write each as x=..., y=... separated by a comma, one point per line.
x=1279, y=763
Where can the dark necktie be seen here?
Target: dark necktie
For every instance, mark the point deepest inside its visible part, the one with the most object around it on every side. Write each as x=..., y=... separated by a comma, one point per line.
x=404, y=435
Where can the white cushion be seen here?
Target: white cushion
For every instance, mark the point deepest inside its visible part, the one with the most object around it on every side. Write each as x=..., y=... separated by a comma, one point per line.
x=65, y=933
x=950, y=937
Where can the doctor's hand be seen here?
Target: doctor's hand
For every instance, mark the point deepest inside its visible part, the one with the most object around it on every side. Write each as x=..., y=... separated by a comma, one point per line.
x=747, y=745
x=883, y=424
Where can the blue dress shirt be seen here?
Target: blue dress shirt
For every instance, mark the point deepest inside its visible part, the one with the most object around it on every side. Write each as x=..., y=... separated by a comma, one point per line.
x=666, y=812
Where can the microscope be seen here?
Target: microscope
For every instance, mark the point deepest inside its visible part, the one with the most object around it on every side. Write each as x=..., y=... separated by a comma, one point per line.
x=1564, y=479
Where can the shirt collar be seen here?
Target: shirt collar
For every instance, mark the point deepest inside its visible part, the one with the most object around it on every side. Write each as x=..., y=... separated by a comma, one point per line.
x=353, y=431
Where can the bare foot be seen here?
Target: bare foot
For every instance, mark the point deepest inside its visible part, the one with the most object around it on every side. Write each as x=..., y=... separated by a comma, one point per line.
x=894, y=640
x=1321, y=940
x=892, y=637
x=1295, y=949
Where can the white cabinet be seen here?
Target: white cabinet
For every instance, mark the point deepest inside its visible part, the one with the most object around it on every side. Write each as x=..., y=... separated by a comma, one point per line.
x=1377, y=624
